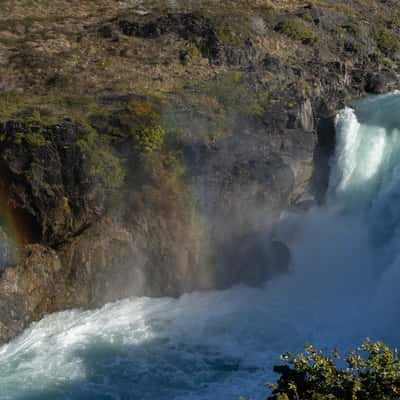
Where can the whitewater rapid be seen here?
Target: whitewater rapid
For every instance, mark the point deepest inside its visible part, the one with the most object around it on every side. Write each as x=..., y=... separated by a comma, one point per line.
x=343, y=286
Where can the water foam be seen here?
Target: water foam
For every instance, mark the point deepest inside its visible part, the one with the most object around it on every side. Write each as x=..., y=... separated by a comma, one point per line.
x=222, y=344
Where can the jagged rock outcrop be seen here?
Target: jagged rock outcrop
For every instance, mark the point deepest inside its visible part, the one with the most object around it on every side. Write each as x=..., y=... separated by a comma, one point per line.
x=199, y=30
x=47, y=180
x=32, y=289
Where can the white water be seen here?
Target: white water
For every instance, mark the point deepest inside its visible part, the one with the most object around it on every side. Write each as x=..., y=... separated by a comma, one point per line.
x=343, y=287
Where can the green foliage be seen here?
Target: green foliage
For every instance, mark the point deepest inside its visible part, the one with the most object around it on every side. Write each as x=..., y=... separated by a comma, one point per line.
x=296, y=30
x=388, y=42
x=33, y=132
x=104, y=165
x=371, y=372
x=147, y=139
x=149, y=134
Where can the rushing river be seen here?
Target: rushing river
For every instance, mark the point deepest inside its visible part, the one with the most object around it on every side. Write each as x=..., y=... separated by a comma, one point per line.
x=343, y=287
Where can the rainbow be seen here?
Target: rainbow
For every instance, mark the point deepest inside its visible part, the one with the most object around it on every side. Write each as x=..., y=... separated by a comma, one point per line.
x=14, y=235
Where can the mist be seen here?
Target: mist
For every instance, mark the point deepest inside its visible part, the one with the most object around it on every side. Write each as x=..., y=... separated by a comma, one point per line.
x=340, y=287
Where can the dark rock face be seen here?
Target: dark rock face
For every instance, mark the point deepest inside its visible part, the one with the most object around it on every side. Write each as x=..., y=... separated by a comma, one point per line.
x=379, y=83
x=199, y=30
x=252, y=260
x=47, y=180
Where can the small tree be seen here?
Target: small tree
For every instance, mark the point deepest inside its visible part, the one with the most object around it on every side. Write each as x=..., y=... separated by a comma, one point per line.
x=372, y=372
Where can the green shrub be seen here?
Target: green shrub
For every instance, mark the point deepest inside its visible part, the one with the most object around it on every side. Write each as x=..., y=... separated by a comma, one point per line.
x=149, y=134
x=388, y=42
x=372, y=372
x=295, y=29
x=147, y=139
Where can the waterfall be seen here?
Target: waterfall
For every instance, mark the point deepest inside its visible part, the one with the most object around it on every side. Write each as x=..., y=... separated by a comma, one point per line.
x=342, y=287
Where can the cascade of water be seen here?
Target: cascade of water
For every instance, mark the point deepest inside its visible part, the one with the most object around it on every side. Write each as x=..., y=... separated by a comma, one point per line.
x=343, y=287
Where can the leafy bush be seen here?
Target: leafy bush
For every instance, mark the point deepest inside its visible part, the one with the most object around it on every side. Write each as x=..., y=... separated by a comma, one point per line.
x=148, y=138
x=372, y=372
x=295, y=29
x=149, y=134
x=388, y=42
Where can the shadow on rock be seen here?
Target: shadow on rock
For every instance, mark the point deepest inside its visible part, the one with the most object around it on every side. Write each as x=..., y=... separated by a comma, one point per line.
x=252, y=260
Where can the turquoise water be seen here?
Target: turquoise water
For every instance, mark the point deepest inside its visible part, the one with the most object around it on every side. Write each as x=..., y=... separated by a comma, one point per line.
x=343, y=287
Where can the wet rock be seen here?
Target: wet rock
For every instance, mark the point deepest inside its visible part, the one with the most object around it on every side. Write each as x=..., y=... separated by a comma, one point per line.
x=252, y=260
x=31, y=290
x=382, y=82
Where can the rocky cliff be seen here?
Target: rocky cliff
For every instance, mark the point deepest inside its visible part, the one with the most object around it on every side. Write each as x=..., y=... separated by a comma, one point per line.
x=147, y=148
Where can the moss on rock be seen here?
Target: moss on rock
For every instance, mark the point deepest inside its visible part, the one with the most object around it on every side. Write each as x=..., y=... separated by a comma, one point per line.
x=296, y=30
